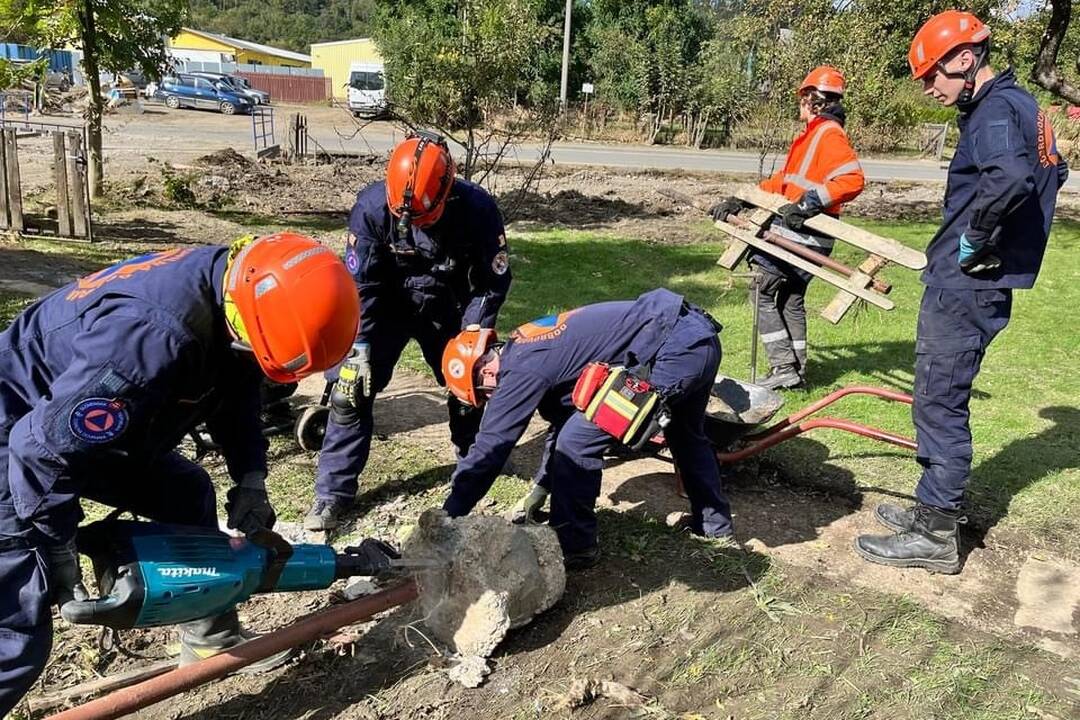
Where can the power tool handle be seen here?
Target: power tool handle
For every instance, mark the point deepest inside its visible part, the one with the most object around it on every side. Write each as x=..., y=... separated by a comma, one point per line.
x=90, y=612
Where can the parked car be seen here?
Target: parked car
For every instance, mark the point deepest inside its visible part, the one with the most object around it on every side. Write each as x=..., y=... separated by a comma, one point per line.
x=367, y=89
x=185, y=90
x=239, y=85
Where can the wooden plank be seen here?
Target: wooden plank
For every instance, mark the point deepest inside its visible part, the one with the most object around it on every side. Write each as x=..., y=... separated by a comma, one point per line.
x=736, y=250
x=5, y=223
x=827, y=275
x=63, y=209
x=863, y=277
x=102, y=685
x=77, y=186
x=862, y=239
x=14, y=184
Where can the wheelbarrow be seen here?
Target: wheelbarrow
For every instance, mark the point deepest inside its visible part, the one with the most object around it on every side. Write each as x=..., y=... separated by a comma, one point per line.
x=737, y=417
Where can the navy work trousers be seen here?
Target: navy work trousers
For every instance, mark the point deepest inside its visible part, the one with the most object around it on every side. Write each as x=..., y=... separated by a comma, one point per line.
x=171, y=490
x=346, y=447
x=955, y=328
x=573, y=453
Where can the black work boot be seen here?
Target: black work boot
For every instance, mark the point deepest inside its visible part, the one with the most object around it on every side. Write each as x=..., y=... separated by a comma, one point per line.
x=785, y=377
x=582, y=559
x=895, y=517
x=201, y=639
x=326, y=514
x=931, y=542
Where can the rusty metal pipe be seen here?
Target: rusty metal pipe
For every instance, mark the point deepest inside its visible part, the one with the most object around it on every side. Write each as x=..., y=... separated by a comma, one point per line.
x=791, y=431
x=806, y=253
x=307, y=629
x=829, y=399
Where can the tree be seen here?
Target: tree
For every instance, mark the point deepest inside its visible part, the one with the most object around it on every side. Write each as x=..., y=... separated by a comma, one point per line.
x=115, y=35
x=1045, y=73
x=457, y=65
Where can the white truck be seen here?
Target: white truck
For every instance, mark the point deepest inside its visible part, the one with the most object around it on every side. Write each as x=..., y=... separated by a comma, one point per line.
x=367, y=89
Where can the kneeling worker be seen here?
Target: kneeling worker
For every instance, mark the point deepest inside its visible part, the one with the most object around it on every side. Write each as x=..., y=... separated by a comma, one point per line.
x=102, y=379
x=552, y=365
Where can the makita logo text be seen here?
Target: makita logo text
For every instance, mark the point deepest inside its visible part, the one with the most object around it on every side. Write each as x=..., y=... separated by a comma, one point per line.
x=187, y=572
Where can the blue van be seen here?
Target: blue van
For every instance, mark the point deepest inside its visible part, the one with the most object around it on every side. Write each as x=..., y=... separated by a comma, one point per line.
x=183, y=90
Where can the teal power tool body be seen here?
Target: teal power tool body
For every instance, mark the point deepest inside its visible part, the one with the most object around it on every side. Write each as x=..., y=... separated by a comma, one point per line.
x=152, y=574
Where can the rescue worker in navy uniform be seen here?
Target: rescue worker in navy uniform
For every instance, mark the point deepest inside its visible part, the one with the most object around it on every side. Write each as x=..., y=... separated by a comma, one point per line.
x=821, y=173
x=999, y=204
x=100, y=381
x=428, y=253
x=660, y=335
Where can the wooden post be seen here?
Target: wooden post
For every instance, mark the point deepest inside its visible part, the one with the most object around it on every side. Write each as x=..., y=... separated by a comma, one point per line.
x=14, y=184
x=63, y=209
x=77, y=178
x=4, y=222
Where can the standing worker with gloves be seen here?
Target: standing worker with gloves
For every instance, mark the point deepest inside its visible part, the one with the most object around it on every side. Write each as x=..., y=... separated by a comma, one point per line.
x=428, y=253
x=554, y=360
x=101, y=380
x=821, y=173
x=999, y=205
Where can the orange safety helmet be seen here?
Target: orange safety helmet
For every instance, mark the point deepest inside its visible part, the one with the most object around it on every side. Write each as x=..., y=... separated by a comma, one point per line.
x=942, y=34
x=419, y=178
x=459, y=362
x=291, y=301
x=826, y=79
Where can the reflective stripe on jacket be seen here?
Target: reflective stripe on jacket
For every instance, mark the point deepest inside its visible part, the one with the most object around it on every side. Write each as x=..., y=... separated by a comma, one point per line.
x=820, y=159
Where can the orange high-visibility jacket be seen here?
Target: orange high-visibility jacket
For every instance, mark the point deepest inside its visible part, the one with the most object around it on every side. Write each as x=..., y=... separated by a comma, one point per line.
x=820, y=159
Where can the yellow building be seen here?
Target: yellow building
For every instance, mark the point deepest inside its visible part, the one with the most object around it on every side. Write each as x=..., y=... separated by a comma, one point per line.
x=334, y=59
x=209, y=47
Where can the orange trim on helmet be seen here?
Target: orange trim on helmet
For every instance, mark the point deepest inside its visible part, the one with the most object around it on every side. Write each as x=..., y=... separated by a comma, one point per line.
x=942, y=34
x=459, y=361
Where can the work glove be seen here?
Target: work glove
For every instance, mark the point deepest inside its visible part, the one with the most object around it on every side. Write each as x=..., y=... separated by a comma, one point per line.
x=730, y=206
x=247, y=505
x=527, y=511
x=65, y=575
x=978, y=257
x=354, y=377
x=795, y=214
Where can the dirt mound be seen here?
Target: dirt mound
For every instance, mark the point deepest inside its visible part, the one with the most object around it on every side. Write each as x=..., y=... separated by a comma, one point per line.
x=224, y=158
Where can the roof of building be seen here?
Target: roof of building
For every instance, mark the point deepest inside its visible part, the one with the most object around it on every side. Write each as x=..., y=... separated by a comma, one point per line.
x=341, y=42
x=255, y=47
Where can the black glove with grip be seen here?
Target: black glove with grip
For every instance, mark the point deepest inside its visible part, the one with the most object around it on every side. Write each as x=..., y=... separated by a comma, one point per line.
x=248, y=506
x=795, y=215
x=730, y=206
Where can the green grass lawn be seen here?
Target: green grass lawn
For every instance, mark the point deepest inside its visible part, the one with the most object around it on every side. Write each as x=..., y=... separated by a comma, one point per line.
x=1026, y=423
x=1025, y=419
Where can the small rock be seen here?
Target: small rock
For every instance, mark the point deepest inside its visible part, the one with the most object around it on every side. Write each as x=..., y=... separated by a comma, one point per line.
x=470, y=671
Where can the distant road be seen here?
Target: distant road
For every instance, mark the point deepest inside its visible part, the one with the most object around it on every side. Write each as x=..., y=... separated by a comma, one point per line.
x=185, y=134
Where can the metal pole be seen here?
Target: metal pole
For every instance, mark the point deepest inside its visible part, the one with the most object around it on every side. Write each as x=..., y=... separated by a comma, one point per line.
x=565, y=55
x=754, y=329
x=307, y=629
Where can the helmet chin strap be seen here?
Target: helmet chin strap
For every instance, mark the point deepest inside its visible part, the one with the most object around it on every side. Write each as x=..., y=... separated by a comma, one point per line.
x=968, y=76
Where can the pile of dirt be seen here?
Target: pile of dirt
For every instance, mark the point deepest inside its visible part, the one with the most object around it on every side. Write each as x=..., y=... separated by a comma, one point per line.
x=224, y=158
x=493, y=576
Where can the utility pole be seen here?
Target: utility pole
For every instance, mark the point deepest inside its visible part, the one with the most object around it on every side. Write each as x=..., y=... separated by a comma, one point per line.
x=565, y=55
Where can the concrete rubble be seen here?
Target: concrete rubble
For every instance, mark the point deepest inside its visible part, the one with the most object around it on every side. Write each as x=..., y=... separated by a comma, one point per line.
x=493, y=576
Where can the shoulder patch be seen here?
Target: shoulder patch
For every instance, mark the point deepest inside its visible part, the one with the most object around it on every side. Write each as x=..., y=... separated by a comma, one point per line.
x=98, y=420
x=500, y=263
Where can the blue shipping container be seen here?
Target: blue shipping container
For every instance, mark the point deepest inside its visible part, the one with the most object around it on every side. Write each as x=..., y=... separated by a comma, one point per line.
x=59, y=60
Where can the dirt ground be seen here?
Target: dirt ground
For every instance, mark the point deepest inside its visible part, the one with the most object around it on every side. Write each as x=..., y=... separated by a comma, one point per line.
x=794, y=625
